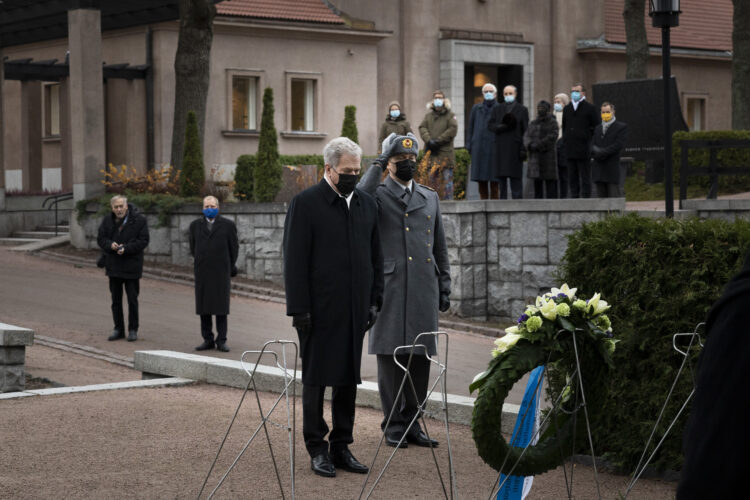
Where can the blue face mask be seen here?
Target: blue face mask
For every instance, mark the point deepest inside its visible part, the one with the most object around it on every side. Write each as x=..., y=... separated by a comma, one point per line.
x=575, y=95
x=395, y=113
x=510, y=99
x=558, y=106
x=438, y=102
x=489, y=96
x=211, y=213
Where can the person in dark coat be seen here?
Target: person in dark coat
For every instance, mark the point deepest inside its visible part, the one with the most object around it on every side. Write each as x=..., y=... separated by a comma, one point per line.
x=123, y=236
x=579, y=120
x=480, y=142
x=438, y=129
x=561, y=100
x=714, y=442
x=333, y=274
x=395, y=123
x=417, y=283
x=214, y=247
x=509, y=120
x=609, y=140
x=539, y=140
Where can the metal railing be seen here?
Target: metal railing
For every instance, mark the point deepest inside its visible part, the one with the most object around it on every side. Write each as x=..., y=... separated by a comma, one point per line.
x=54, y=200
x=713, y=170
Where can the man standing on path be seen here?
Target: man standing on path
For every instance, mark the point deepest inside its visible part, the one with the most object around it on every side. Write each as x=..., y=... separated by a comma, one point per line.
x=578, y=123
x=333, y=272
x=417, y=283
x=123, y=235
x=214, y=247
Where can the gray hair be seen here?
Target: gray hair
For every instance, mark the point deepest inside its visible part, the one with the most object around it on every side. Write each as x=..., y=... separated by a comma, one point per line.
x=339, y=147
x=117, y=197
x=489, y=86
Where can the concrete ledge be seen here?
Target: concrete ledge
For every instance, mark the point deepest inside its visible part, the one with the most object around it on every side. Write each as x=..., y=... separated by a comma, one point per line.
x=35, y=246
x=269, y=378
x=11, y=336
x=135, y=384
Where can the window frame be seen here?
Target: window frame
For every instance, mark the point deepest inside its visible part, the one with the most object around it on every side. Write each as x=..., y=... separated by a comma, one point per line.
x=698, y=96
x=256, y=74
x=317, y=79
x=47, y=111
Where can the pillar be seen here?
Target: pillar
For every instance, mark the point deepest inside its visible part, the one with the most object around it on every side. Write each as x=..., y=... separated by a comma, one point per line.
x=66, y=167
x=86, y=104
x=31, y=135
x=2, y=132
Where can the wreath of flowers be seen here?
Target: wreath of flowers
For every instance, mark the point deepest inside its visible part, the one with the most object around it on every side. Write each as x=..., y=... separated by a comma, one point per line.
x=544, y=335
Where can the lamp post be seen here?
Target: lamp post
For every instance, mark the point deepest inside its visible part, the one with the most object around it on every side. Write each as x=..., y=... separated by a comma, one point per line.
x=664, y=14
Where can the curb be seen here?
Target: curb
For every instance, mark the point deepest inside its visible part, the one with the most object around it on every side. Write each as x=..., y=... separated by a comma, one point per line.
x=134, y=384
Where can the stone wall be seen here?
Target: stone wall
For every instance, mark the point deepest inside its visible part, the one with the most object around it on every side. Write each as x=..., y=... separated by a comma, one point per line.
x=13, y=342
x=502, y=253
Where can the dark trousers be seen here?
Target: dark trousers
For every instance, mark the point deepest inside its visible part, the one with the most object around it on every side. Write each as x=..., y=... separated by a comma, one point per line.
x=542, y=185
x=607, y=190
x=579, y=171
x=132, y=289
x=406, y=407
x=221, y=328
x=314, y=427
x=516, y=188
x=491, y=193
x=562, y=170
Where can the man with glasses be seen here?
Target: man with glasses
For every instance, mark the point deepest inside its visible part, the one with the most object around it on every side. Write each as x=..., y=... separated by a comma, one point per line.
x=333, y=272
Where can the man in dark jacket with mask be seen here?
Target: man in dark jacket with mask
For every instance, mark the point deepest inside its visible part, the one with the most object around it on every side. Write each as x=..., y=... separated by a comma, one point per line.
x=123, y=235
x=333, y=272
x=417, y=283
x=214, y=247
x=580, y=118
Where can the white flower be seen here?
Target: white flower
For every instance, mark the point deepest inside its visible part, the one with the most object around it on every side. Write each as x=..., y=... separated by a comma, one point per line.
x=549, y=310
x=512, y=329
x=601, y=307
x=506, y=342
x=570, y=292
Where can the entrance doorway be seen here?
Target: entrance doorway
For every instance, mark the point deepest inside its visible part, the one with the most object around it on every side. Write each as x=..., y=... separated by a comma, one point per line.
x=500, y=75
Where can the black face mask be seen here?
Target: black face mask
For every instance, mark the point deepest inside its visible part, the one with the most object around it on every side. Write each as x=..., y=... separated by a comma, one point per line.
x=405, y=169
x=542, y=112
x=347, y=183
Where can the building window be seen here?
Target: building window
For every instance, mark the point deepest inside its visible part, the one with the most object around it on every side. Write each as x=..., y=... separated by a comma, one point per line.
x=303, y=105
x=51, y=109
x=244, y=99
x=695, y=113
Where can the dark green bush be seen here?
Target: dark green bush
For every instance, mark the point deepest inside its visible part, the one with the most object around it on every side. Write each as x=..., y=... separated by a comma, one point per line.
x=193, y=175
x=661, y=277
x=700, y=158
x=268, y=169
x=349, y=127
x=243, y=177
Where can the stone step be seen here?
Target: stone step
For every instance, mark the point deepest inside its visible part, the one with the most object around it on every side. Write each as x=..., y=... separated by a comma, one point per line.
x=18, y=241
x=61, y=228
x=40, y=235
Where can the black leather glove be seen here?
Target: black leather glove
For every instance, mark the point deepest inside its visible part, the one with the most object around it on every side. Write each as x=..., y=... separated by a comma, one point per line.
x=433, y=145
x=302, y=322
x=233, y=272
x=509, y=119
x=372, y=317
x=445, y=302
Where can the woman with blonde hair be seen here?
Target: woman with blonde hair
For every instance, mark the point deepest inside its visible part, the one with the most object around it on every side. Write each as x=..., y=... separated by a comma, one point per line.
x=561, y=100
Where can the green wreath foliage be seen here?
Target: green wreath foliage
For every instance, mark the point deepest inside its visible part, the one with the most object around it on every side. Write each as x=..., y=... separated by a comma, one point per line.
x=548, y=339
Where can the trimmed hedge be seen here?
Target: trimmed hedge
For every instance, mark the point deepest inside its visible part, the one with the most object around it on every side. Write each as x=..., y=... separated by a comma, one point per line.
x=661, y=277
x=193, y=175
x=243, y=177
x=267, y=172
x=349, y=127
x=700, y=157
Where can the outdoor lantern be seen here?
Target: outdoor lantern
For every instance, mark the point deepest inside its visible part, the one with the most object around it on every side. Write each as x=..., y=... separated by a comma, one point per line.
x=664, y=13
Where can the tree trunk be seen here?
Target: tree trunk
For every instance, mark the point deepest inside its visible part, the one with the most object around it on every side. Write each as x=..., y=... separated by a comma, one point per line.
x=741, y=66
x=192, y=71
x=636, y=47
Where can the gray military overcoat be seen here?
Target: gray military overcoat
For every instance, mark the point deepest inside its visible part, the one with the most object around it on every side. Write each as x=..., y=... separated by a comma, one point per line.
x=415, y=261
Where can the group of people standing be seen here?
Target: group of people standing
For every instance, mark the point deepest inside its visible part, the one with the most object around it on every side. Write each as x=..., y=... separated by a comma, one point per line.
x=567, y=147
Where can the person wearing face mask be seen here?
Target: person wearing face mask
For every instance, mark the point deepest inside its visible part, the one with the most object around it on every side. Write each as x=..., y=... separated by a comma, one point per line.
x=579, y=120
x=540, y=139
x=214, y=247
x=480, y=142
x=417, y=282
x=395, y=123
x=609, y=141
x=333, y=276
x=509, y=121
x=561, y=100
x=438, y=129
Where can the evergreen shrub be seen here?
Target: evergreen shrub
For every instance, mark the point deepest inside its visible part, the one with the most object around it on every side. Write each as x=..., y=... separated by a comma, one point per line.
x=268, y=170
x=661, y=277
x=349, y=127
x=243, y=177
x=193, y=175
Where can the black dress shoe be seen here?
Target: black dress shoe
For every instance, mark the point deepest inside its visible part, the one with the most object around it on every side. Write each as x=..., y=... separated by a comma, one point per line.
x=421, y=439
x=392, y=439
x=321, y=465
x=222, y=347
x=343, y=459
x=116, y=335
x=132, y=336
x=205, y=346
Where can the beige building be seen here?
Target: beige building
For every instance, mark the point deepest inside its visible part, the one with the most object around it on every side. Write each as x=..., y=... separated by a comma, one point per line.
x=318, y=56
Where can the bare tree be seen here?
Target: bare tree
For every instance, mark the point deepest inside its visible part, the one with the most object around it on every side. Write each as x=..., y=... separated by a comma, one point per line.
x=636, y=46
x=192, y=70
x=741, y=65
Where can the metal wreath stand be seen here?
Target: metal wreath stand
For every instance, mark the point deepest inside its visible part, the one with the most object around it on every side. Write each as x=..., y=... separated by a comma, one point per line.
x=422, y=408
x=290, y=426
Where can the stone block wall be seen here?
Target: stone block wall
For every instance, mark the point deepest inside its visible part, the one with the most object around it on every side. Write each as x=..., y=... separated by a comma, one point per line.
x=13, y=342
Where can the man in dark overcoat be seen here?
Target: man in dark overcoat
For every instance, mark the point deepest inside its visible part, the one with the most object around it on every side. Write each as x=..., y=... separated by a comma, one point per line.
x=480, y=142
x=609, y=141
x=580, y=118
x=122, y=237
x=333, y=274
x=214, y=247
x=509, y=121
x=417, y=283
